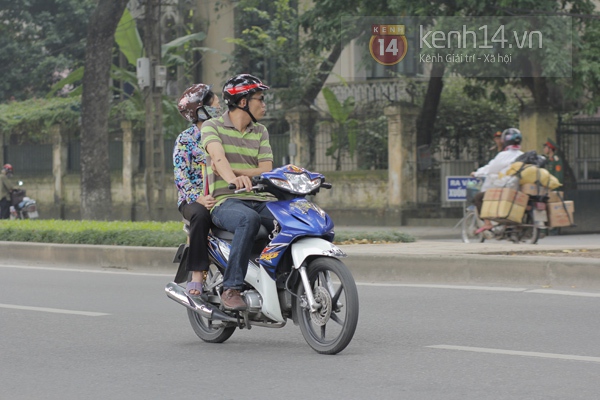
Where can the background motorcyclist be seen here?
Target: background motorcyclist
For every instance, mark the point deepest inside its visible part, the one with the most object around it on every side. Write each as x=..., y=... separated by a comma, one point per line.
x=511, y=142
x=6, y=187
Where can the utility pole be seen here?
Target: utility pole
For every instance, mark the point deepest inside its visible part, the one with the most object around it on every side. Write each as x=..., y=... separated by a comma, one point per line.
x=154, y=143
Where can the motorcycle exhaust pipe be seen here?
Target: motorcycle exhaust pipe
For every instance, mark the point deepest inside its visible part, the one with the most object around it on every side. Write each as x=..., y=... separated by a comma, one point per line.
x=196, y=304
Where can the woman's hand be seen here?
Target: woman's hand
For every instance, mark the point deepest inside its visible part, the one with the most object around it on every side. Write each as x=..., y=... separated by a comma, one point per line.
x=207, y=201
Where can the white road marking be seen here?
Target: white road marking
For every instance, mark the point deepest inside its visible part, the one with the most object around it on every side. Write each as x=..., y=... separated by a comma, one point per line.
x=564, y=292
x=485, y=288
x=460, y=287
x=116, y=271
x=517, y=353
x=53, y=310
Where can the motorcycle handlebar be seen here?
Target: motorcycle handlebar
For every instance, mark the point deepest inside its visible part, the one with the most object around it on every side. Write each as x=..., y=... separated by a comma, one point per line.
x=260, y=187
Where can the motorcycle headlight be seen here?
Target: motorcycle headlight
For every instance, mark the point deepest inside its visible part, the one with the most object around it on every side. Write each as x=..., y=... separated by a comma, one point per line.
x=297, y=183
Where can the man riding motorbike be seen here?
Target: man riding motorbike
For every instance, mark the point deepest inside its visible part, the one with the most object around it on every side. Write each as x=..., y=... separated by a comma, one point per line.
x=511, y=142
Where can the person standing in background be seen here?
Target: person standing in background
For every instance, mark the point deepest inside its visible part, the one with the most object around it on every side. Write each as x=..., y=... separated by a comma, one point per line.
x=498, y=146
x=554, y=164
x=6, y=188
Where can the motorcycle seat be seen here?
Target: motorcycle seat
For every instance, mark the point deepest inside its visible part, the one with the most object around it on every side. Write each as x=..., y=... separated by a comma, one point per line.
x=226, y=235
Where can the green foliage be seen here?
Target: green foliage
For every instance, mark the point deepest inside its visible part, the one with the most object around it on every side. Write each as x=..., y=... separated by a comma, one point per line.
x=345, y=129
x=267, y=44
x=586, y=69
x=373, y=237
x=30, y=120
x=151, y=234
x=466, y=124
x=128, y=38
x=147, y=234
x=39, y=38
x=372, y=139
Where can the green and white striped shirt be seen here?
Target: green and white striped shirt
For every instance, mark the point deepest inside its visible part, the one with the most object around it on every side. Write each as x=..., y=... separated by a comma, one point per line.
x=243, y=150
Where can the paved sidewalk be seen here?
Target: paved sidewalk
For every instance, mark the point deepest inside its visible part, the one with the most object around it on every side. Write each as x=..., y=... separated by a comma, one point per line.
x=419, y=232
x=437, y=257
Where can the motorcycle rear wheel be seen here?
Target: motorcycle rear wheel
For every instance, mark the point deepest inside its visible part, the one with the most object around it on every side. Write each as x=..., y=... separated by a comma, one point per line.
x=530, y=234
x=206, y=329
x=331, y=328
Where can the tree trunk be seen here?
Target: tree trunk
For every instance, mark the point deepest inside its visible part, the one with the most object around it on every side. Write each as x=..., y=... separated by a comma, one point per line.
x=426, y=121
x=96, y=202
x=325, y=68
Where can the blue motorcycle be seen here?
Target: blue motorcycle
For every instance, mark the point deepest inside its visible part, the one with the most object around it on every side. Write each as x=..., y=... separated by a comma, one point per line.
x=294, y=271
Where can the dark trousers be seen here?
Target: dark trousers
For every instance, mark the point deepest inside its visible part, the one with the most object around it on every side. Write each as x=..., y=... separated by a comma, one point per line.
x=200, y=221
x=243, y=218
x=4, y=208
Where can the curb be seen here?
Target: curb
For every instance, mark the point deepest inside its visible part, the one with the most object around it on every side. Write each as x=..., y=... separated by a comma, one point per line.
x=390, y=268
x=476, y=269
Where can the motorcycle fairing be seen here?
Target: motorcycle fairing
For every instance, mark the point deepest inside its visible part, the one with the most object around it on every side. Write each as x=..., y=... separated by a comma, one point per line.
x=305, y=247
x=256, y=276
x=297, y=218
x=279, y=173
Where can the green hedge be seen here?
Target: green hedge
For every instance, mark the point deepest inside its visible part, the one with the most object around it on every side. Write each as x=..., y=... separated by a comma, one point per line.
x=151, y=234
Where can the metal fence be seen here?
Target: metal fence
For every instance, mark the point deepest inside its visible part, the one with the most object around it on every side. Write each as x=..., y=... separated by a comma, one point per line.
x=364, y=148
x=579, y=144
x=29, y=158
x=37, y=158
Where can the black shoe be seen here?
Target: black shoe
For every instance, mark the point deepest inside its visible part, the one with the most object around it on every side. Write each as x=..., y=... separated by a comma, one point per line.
x=232, y=300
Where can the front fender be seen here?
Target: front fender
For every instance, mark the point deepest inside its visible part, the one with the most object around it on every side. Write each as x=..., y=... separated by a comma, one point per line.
x=305, y=247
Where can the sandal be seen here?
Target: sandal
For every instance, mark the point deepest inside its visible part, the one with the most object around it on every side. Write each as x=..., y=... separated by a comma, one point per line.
x=194, y=286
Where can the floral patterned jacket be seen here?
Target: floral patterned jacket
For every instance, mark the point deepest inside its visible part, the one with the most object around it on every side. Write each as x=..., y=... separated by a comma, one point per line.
x=189, y=166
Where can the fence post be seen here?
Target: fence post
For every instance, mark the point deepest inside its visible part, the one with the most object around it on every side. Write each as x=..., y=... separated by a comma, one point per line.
x=537, y=124
x=128, y=167
x=402, y=156
x=302, y=120
x=60, y=153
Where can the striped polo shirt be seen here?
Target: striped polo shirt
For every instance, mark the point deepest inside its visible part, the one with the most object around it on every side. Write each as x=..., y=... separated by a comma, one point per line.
x=243, y=150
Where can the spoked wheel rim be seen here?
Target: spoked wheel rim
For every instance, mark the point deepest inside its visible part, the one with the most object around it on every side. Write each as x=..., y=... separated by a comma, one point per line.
x=530, y=234
x=207, y=329
x=469, y=226
x=330, y=329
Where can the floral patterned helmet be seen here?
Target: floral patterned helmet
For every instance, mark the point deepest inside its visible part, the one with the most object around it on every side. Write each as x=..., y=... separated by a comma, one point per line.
x=192, y=105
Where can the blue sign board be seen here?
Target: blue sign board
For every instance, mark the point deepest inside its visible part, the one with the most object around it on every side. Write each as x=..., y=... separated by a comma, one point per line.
x=456, y=187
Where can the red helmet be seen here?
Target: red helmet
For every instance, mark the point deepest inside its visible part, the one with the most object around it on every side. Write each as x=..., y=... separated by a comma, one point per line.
x=240, y=86
x=192, y=101
x=8, y=168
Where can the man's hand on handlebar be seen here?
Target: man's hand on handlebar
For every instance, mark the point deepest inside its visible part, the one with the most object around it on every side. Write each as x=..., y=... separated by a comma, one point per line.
x=242, y=182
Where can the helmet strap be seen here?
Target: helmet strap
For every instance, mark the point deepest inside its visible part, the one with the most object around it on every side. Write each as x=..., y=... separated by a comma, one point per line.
x=247, y=108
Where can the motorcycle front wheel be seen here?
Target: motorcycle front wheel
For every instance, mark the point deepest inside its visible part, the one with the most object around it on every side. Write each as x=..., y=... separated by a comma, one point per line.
x=208, y=330
x=470, y=223
x=331, y=328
